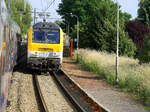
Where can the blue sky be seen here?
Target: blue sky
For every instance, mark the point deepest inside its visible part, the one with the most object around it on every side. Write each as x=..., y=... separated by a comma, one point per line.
x=129, y=6
x=41, y=4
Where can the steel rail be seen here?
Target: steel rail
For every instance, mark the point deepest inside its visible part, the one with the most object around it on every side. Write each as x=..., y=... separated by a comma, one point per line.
x=40, y=93
x=79, y=99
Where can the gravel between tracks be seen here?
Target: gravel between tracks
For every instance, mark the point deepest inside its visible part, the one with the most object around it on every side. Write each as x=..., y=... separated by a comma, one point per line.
x=22, y=95
x=53, y=96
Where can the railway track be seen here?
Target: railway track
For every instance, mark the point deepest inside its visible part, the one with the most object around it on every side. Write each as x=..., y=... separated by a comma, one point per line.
x=80, y=101
x=39, y=94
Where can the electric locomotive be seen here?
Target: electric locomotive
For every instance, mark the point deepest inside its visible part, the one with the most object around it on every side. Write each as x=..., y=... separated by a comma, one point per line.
x=8, y=52
x=45, y=46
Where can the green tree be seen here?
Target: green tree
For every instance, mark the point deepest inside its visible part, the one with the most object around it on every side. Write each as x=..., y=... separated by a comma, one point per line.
x=97, y=24
x=21, y=14
x=144, y=17
x=144, y=11
x=145, y=55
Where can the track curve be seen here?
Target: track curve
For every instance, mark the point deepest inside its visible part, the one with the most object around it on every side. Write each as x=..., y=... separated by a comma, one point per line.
x=81, y=100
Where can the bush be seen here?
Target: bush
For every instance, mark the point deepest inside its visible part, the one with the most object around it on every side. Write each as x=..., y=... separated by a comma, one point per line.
x=145, y=55
x=133, y=77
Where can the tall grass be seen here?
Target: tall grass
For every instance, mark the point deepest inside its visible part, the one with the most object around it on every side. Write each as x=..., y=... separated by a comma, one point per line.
x=133, y=77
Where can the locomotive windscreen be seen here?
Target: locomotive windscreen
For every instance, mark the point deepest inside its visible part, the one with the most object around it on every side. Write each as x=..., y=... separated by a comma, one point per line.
x=46, y=36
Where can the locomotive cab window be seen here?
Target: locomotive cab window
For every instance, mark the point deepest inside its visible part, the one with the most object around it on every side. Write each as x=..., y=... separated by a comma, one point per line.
x=46, y=36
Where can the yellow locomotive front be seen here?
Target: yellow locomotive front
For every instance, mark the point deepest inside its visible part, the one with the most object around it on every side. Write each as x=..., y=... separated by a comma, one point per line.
x=45, y=46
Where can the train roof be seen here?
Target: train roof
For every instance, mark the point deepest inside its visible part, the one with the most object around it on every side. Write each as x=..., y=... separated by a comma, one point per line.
x=48, y=25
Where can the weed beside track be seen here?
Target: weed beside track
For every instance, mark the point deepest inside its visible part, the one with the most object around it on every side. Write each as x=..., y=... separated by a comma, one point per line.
x=133, y=77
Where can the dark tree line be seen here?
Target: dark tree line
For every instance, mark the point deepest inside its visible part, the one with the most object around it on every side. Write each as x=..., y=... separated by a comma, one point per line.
x=139, y=31
x=136, y=31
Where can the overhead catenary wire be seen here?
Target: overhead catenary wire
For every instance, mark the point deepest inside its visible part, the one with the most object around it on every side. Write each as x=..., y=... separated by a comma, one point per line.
x=47, y=1
x=44, y=8
x=42, y=5
x=49, y=5
x=43, y=2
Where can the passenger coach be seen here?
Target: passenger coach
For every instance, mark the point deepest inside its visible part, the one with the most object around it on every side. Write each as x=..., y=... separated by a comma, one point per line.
x=9, y=33
x=45, y=46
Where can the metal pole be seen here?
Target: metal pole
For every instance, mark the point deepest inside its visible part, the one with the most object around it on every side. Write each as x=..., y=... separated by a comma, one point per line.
x=68, y=28
x=117, y=51
x=34, y=15
x=77, y=29
x=9, y=6
x=0, y=7
x=77, y=32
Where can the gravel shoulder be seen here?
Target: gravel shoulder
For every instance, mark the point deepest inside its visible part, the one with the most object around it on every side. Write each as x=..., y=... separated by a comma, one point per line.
x=22, y=96
x=52, y=95
x=104, y=94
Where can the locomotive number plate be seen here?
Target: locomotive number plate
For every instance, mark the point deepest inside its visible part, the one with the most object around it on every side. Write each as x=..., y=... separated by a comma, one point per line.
x=43, y=54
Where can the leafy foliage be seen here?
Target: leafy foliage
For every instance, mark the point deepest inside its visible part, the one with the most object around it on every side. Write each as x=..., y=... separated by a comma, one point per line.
x=144, y=11
x=137, y=32
x=21, y=13
x=133, y=77
x=143, y=16
x=145, y=55
x=97, y=24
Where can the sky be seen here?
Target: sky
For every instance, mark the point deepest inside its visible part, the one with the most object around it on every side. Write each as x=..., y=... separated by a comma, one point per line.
x=42, y=4
x=129, y=6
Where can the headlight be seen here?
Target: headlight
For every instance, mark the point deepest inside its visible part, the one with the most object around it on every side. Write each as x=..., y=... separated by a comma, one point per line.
x=57, y=54
x=32, y=54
